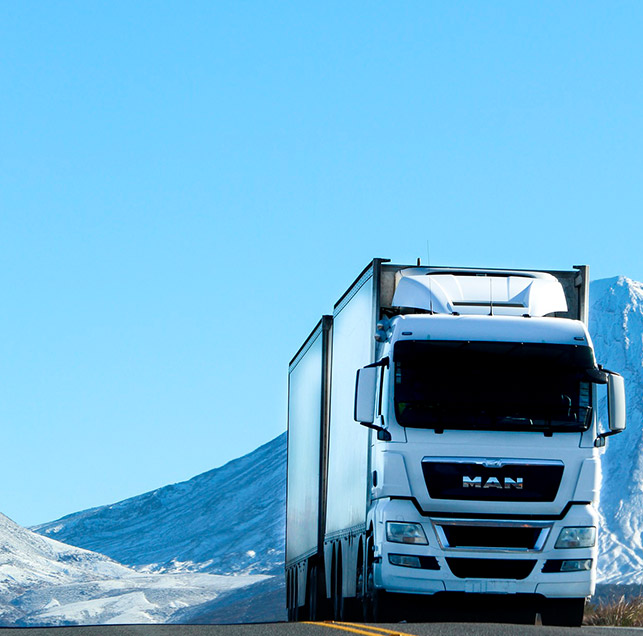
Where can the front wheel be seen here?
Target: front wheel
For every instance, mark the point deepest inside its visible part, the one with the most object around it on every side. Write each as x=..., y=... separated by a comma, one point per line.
x=564, y=612
x=521, y=616
x=376, y=605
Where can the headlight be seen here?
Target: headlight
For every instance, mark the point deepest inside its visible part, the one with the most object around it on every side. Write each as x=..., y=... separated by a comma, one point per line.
x=399, y=532
x=576, y=538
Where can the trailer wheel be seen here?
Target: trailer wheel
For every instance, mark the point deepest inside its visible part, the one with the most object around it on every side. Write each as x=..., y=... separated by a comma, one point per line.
x=353, y=605
x=290, y=596
x=564, y=612
x=293, y=608
x=338, y=596
x=311, y=594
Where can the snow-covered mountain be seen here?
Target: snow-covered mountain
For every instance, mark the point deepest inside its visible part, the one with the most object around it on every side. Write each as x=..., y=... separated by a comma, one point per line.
x=228, y=520
x=616, y=327
x=185, y=552
x=132, y=598
x=45, y=582
x=29, y=561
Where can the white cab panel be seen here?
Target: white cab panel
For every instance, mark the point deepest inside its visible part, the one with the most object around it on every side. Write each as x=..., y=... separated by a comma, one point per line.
x=509, y=295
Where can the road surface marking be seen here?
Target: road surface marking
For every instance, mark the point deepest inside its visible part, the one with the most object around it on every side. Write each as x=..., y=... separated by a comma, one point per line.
x=359, y=628
x=347, y=629
x=385, y=630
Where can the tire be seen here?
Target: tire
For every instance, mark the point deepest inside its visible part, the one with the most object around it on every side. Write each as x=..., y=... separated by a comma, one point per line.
x=338, y=597
x=376, y=605
x=312, y=594
x=369, y=605
x=563, y=612
x=354, y=606
x=323, y=604
x=290, y=598
x=297, y=612
x=520, y=617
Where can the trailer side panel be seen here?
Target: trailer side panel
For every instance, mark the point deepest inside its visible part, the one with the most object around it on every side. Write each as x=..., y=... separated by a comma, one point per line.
x=305, y=424
x=348, y=446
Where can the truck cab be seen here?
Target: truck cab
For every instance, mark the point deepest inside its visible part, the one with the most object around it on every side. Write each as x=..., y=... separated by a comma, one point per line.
x=481, y=466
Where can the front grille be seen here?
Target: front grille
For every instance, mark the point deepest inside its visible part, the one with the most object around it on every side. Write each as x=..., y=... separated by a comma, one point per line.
x=492, y=480
x=472, y=536
x=491, y=568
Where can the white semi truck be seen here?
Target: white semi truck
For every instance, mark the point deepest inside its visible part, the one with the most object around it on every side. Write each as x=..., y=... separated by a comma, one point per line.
x=443, y=442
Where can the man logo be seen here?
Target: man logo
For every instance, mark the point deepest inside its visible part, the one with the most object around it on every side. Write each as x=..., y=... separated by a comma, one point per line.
x=492, y=482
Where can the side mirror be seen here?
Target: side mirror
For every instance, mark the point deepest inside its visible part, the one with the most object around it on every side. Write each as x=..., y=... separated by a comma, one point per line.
x=616, y=402
x=615, y=407
x=365, y=390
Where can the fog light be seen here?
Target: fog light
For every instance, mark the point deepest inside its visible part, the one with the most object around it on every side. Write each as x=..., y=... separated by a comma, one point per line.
x=404, y=560
x=399, y=532
x=580, y=565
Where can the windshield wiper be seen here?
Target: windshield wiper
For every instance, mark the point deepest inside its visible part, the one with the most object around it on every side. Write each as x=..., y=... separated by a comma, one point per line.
x=510, y=419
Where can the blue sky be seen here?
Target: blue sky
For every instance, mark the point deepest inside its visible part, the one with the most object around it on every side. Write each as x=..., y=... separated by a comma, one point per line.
x=185, y=187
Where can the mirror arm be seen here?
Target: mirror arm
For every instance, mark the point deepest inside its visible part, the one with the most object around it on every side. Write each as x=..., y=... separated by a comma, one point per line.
x=597, y=376
x=380, y=363
x=382, y=433
x=599, y=442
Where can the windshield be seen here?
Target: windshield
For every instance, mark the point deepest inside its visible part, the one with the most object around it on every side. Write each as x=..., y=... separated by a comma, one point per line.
x=492, y=385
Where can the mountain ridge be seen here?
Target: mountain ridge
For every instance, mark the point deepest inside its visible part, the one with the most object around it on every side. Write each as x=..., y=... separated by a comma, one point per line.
x=616, y=327
x=150, y=530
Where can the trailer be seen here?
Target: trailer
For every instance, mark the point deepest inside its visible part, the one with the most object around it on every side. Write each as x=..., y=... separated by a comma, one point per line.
x=443, y=448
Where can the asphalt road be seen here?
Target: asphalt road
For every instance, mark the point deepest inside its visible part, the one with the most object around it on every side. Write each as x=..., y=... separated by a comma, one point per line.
x=321, y=629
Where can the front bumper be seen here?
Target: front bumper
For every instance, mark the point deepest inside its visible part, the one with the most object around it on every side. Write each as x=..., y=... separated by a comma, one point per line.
x=482, y=569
